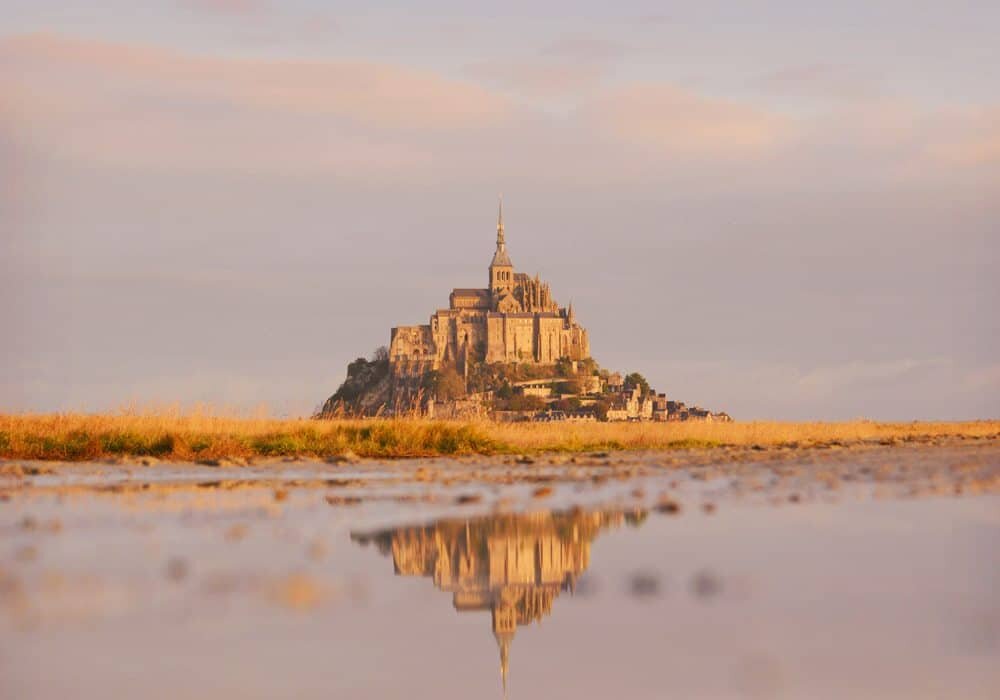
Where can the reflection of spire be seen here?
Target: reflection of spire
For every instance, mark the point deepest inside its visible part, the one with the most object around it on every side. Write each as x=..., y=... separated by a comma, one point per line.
x=512, y=565
x=503, y=642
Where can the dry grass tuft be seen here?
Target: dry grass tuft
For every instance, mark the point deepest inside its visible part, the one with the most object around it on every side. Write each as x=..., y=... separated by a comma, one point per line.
x=585, y=437
x=204, y=438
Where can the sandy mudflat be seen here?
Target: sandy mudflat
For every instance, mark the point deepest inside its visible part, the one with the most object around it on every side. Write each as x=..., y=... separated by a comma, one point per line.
x=837, y=572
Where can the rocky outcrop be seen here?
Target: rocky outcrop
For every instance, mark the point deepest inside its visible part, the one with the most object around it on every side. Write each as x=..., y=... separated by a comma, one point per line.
x=368, y=385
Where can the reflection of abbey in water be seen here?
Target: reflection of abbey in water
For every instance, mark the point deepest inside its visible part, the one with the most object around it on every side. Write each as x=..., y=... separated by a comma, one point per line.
x=512, y=565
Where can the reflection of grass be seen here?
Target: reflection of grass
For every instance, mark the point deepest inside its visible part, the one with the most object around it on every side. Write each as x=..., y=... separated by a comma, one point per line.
x=197, y=436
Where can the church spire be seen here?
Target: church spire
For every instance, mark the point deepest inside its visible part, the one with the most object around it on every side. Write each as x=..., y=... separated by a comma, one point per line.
x=500, y=240
x=500, y=257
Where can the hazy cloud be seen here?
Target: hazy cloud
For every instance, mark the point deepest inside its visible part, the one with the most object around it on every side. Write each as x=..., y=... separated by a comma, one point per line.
x=370, y=93
x=586, y=49
x=224, y=7
x=538, y=79
x=848, y=376
x=677, y=122
x=114, y=103
x=825, y=81
x=972, y=138
x=571, y=67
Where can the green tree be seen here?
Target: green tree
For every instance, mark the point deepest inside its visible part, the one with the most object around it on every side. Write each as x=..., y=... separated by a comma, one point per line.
x=564, y=367
x=526, y=403
x=634, y=380
x=568, y=404
x=601, y=409
x=571, y=386
x=587, y=367
x=445, y=384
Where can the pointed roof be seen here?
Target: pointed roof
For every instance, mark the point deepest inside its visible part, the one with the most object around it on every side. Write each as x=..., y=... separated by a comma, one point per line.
x=500, y=240
x=500, y=257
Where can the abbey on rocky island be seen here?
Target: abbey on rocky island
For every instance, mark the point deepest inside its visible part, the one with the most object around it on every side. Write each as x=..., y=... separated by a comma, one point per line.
x=514, y=319
x=507, y=351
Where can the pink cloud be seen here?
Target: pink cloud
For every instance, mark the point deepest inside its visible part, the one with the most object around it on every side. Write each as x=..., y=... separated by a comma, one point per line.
x=824, y=81
x=974, y=139
x=376, y=94
x=537, y=78
x=677, y=122
x=585, y=49
x=141, y=106
x=136, y=105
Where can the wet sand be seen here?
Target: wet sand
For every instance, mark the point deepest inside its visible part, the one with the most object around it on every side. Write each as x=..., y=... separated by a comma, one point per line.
x=853, y=572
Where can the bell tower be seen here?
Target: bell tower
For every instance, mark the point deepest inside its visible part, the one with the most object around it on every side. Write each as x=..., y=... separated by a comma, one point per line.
x=501, y=268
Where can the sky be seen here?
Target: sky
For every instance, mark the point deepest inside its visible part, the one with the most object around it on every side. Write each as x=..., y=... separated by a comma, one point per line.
x=781, y=209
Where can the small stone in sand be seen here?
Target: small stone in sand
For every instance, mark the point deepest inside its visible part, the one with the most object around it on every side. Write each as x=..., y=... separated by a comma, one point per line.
x=467, y=498
x=542, y=492
x=705, y=584
x=26, y=553
x=177, y=569
x=316, y=549
x=348, y=457
x=12, y=470
x=668, y=506
x=236, y=532
x=343, y=500
x=644, y=584
x=299, y=592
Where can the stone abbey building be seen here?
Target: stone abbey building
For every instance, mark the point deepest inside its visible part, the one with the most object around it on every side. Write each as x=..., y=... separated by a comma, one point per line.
x=514, y=319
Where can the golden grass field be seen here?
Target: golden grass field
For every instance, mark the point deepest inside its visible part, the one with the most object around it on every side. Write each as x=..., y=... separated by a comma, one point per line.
x=197, y=436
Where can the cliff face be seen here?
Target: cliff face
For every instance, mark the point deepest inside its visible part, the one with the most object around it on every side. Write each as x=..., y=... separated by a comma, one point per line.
x=368, y=386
